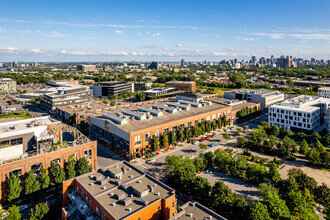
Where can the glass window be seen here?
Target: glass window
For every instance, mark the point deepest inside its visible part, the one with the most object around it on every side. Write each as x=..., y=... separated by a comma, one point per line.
x=166, y=130
x=4, y=143
x=214, y=117
x=88, y=154
x=157, y=133
x=219, y=115
x=228, y=113
x=196, y=122
x=189, y=124
x=138, y=140
x=182, y=126
x=16, y=141
x=148, y=137
x=208, y=118
x=202, y=120
x=175, y=128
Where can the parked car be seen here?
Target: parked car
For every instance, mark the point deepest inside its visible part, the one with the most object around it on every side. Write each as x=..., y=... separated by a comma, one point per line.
x=231, y=136
x=209, y=137
x=150, y=161
x=196, y=142
x=203, y=139
x=23, y=207
x=212, y=145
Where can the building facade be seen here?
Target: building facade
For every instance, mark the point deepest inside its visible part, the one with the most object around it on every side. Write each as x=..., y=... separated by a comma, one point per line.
x=112, y=88
x=28, y=144
x=182, y=85
x=7, y=86
x=302, y=113
x=86, y=68
x=324, y=92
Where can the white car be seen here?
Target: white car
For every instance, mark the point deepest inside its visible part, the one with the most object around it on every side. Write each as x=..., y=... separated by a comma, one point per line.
x=196, y=142
x=151, y=160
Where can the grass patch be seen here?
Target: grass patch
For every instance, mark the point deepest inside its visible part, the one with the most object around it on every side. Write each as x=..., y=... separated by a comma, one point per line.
x=16, y=115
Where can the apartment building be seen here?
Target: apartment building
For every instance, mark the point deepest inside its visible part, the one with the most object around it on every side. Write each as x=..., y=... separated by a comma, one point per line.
x=27, y=144
x=161, y=92
x=111, y=88
x=139, y=86
x=263, y=96
x=66, y=94
x=119, y=191
x=182, y=85
x=324, y=92
x=7, y=86
x=302, y=113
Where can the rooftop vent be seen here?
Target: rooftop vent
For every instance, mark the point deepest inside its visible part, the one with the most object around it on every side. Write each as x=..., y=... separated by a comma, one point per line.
x=111, y=194
x=92, y=184
x=104, y=187
x=114, y=204
x=158, y=194
x=190, y=215
x=130, y=209
x=139, y=181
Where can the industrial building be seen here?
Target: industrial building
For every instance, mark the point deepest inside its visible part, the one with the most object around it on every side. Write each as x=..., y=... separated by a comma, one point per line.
x=302, y=113
x=263, y=96
x=111, y=88
x=7, y=86
x=31, y=143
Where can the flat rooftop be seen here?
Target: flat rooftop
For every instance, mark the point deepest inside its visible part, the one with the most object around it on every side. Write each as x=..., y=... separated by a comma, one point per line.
x=194, y=210
x=234, y=103
x=302, y=103
x=135, y=125
x=122, y=189
x=182, y=82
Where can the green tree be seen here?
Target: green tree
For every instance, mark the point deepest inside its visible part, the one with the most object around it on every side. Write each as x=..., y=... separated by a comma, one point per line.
x=203, y=147
x=273, y=174
x=303, y=147
x=319, y=147
x=290, y=144
x=39, y=211
x=208, y=126
x=172, y=138
x=180, y=135
x=200, y=164
x=82, y=166
x=44, y=179
x=209, y=156
x=214, y=125
x=316, y=137
x=224, y=120
x=258, y=211
x=155, y=145
x=226, y=136
x=40, y=98
x=221, y=197
x=188, y=134
x=57, y=173
x=246, y=128
x=14, y=187
x=105, y=101
x=256, y=172
x=112, y=103
x=277, y=207
x=289, y=82
x=164, y=140
x=301, y=204
x=33, y=100
x=70, y=169
x=31, y=184
x=200, y=189
x=13, y=213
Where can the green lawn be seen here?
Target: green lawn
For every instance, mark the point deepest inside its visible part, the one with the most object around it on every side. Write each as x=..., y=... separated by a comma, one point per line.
x=16, y=115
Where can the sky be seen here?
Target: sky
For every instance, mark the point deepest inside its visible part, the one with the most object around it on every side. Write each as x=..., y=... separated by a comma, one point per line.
x=168, y=30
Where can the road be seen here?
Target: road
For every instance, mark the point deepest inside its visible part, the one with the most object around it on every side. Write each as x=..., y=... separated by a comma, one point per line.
x=106, y=157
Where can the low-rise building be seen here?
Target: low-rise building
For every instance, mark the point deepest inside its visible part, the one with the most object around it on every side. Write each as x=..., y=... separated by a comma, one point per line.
x=324, y=92
x=111, y=88
x=119, y=191
x=302, y=113
x=31, y=143
x=263, y=96
x=7, y=86
x=161, y=92
x=182, y=85
x=86, y=68
x=142, y=85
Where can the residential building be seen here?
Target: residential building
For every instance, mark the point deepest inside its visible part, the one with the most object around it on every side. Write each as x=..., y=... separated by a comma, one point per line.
x=324, y=92
x=283, y=62
x=86, y=68
x=182, y=62
x=7, y=86
x=119, y=191
x=182, y=85
x=111, y=88
x=302, y=113
x=31, y=143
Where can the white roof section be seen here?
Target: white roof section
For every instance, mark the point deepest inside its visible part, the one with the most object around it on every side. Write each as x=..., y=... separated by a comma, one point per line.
x=303, y=103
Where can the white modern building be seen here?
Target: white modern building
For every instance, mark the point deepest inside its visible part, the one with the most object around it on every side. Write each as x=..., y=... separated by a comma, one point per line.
x=7, y=86
x=324, y=92
x=302, y=113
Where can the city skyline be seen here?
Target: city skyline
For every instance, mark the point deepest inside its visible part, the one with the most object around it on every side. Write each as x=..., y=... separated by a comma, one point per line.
x=148, y=30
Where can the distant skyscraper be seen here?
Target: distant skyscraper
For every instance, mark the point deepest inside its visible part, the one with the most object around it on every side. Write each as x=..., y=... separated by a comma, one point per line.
x=182, y=62
x=253, y=59
x=283, y=62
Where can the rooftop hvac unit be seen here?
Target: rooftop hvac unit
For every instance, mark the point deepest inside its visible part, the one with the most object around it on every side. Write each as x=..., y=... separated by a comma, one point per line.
x=158, y=194
x=104, y=187
x=108, y=177
x=129, y=168
x=190, y=215
x=111, y=194
x=92, y=184
x=130, y=209
x=131, y=176
x=139, y=181
x=131, y=195
x=114, y=204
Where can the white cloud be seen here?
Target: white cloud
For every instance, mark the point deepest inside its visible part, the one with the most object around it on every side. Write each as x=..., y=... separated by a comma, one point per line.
x=35, y=50
x=156, y=34
x=54, y=34
x=118, y=32
x=244, y=38
x=304, y=36
x=219, y=54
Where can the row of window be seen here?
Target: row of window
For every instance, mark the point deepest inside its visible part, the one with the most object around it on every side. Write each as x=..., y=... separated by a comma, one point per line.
x=11, y=142
x=175, y=128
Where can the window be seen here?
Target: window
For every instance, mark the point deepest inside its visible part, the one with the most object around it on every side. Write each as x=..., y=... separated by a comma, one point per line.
x=213, y=117
x=157, y=133
x=228, y=113
x=72, y=157
x=172, y=204
x=189, y=124
x=208, y=118
x=96, y=210
x=182, y=126
x=219, y=115
x=88, y=154
x=16, y=141
x=175, y=128
x=196, y=122
x=202, y=120
x=137, y=140
x=17, y=172
x=166, y=130
x=36, y=168
x=56, y=161
x=148, y=137
x=4, y=144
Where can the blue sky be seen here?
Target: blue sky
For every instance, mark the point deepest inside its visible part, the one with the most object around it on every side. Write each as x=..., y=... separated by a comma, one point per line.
x=107, y=30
